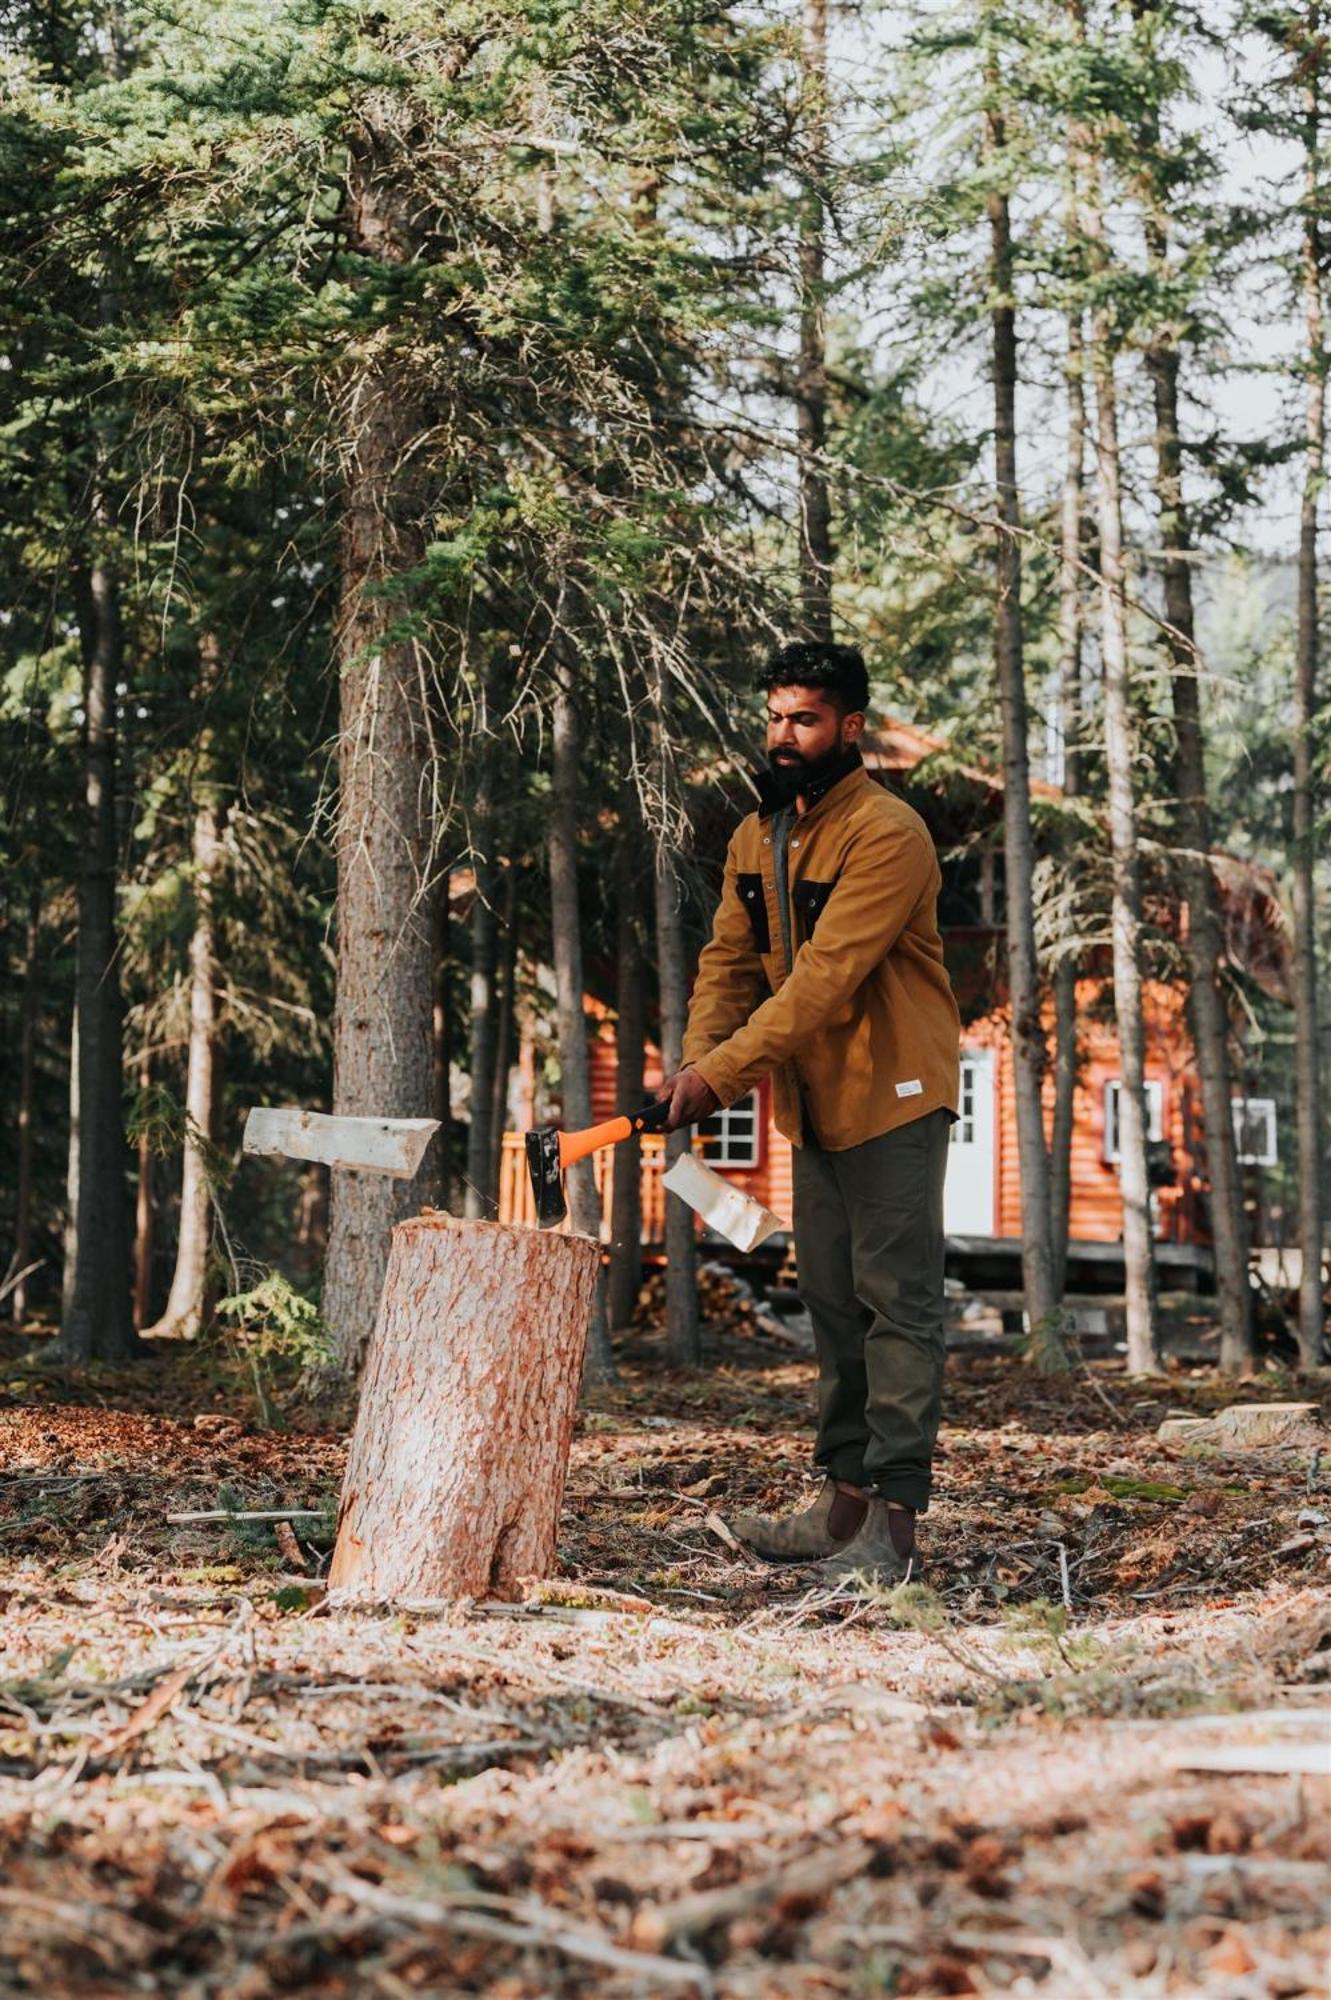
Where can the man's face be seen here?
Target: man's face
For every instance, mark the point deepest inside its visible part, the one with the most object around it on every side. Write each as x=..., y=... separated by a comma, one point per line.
x=807, y=733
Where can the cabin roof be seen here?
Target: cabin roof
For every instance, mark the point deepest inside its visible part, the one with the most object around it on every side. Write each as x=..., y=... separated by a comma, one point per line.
x=892, y=744
x=1256, y=924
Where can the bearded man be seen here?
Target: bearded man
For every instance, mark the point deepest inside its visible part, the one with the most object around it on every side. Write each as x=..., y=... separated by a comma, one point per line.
x=825, y=972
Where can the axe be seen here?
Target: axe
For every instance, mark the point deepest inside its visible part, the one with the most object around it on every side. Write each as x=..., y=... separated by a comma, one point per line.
x=549, y=1151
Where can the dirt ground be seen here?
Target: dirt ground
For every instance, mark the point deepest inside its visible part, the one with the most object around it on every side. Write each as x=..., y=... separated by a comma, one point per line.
x=671, y=1770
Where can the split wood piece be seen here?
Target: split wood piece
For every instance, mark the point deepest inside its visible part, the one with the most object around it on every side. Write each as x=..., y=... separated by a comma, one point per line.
x=456, y=1471
x=393, y=1146
x=812, y=1876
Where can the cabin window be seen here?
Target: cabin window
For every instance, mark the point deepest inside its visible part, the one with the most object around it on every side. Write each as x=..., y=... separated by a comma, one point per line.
x=1055, y=734
x=1255, y=1131
x=730, y=1138
x=963, y=1132
x=1155, y=1114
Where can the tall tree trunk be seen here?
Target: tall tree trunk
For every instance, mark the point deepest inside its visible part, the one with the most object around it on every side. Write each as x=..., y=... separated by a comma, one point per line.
x=382, y=1021
x=630, y=1053
x=1203, y=942
x=99, y=1325
x=815, y=550
x=479, y=1197
x=70, y=1234
x=508, y=997
x=182, y=1315
x=1126, y=917
x=27, y=1076
x=1070, y=719
x=441, y=1034
x=1028, y=1038
x=683, y=1328
x=1312, y=1312
x=566, y=919
x=144, y=1210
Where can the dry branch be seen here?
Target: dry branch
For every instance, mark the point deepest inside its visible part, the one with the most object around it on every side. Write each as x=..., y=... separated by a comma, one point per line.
x=524, y=1925
x=162, y=1698
x=811, y=1876
x=260, y=1514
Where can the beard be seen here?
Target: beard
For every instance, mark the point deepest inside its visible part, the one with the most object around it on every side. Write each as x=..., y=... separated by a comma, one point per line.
x=793, y=773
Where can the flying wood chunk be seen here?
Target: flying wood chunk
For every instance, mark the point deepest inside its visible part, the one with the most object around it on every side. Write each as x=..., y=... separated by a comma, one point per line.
x=394, y=1146
x=457, y=1463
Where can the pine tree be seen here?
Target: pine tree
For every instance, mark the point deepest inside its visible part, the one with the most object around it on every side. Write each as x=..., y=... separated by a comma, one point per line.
x=1288, y=102
x=1162, y=173
x=1086, y=142
x=1310, y=46
x=1069, y=720
x=1029, y=1055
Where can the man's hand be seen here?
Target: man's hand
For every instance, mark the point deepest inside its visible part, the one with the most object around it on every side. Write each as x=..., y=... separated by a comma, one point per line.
x=690, y=1098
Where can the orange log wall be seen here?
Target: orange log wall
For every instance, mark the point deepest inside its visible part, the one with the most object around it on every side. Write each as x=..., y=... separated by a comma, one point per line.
x=1096, y=1207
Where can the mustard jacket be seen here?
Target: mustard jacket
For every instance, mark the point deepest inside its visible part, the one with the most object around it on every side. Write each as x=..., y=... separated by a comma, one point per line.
x=863, y=1025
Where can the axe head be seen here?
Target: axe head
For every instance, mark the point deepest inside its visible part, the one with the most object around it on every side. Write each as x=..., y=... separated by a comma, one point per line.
x=547, y=1177
x=550, y=1151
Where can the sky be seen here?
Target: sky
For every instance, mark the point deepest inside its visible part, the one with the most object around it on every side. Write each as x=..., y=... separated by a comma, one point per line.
x=1250, y=392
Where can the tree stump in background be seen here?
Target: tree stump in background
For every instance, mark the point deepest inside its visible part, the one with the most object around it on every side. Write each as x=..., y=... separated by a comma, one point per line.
x=457, y=1464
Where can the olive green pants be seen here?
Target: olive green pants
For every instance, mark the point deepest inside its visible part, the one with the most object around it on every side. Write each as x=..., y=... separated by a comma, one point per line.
x=869, y=1245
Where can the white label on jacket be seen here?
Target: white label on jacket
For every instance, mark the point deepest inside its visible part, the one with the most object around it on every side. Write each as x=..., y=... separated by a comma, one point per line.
x=912, y=1089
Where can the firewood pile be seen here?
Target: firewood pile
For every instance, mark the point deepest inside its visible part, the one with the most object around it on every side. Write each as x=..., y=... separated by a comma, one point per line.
x=728, y=1304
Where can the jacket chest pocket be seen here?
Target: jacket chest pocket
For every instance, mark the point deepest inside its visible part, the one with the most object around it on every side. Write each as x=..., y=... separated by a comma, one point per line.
x=810, y=899
x=755, y=902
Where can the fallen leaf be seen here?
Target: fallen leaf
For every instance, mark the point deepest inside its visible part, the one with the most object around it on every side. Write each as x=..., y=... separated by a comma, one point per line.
x=1231, y=1958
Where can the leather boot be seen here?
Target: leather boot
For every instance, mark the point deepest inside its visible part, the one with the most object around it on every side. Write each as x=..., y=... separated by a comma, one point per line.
x=820, y=1530
x=882, y=1552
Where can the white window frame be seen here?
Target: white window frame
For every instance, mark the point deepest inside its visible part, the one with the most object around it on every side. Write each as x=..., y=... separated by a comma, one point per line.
x=963, y=1130
x=1155, y=1114
x=1055, y=737
x=1242, y=1108
x=734, y=1142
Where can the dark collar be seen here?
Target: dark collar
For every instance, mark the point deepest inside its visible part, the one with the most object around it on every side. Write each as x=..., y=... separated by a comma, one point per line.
x=770, y=801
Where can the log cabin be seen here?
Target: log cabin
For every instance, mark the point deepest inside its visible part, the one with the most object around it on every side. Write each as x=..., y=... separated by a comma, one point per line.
x=963, y=806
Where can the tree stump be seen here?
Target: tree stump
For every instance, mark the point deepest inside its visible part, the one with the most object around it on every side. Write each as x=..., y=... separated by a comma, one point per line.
x=458, y=1458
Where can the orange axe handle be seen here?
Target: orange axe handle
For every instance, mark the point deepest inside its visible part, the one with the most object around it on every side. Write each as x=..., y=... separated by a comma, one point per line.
x=575, y=1146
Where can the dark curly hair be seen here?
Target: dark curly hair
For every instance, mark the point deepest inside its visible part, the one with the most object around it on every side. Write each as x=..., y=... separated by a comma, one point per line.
x=838, y=671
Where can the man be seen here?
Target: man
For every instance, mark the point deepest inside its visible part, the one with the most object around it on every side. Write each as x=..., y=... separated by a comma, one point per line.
x=825, y=970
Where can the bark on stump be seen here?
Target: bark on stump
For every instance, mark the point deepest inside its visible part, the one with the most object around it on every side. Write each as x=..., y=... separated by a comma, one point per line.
x=457, y=1464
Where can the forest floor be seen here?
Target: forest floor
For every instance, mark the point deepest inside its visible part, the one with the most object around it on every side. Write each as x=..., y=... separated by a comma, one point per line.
x=672, y=1770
